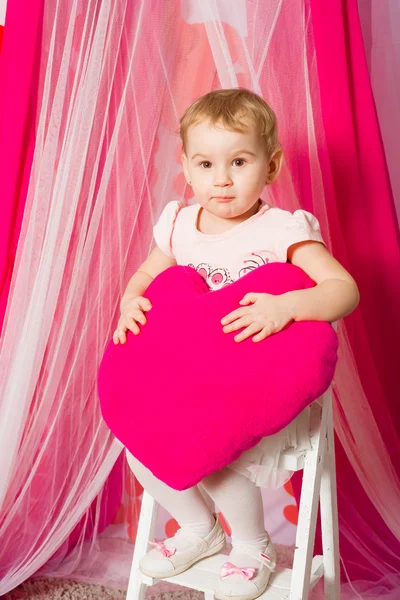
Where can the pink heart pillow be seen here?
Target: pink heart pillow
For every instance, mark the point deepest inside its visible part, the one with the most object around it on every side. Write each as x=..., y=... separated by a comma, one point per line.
x=186, y=399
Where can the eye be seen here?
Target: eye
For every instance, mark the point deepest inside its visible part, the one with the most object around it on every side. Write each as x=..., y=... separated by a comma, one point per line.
x=205, y=162
x=241, y=160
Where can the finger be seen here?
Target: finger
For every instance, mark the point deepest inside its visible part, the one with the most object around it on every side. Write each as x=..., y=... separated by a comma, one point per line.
x=144, y=304
x=119, y=337
x=122, y=333
x=236, y=314
x=250, y=330
x=133, y=326
x=129, y=323
x=248, y=299
x=238, y=324
x=138, y=316
x=266, y=332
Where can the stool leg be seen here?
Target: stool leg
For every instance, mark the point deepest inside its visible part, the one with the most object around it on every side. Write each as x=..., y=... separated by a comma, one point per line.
x=136, y=590
x=329, y=519
x=145, y=532
x=308, y=510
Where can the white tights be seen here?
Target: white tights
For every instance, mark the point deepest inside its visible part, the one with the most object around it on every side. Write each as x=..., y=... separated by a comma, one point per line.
x=238, y=498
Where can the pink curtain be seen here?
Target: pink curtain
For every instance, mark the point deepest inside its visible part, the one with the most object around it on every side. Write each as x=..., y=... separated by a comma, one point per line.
x=19, y=76
x=361, y=207
x=19, y=70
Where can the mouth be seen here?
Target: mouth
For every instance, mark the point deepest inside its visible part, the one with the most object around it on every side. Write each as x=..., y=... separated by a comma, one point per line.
x=223, y=198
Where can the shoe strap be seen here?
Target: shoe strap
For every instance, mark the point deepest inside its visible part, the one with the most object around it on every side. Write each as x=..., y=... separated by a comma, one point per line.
x=192, y=538
x=266, y=557
x=196, y=539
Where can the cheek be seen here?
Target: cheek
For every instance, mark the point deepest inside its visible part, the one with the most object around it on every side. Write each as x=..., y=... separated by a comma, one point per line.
x=259, y=181
x=201, y=180
x=250, y=184
x=249, y=177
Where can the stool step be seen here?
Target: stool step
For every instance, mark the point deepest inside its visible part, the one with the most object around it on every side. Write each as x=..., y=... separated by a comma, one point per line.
x=203, y=576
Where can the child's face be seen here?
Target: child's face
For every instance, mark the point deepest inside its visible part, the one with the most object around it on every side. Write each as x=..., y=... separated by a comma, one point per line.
x=231, y=164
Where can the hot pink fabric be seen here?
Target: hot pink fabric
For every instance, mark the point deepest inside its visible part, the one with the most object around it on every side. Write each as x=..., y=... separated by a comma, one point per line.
x=19, y=74
x=222, y=397
x=365, y=238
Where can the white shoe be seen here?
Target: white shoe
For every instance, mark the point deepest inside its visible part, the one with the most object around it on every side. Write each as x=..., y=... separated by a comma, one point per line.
x=162, y=561
x=246, y=583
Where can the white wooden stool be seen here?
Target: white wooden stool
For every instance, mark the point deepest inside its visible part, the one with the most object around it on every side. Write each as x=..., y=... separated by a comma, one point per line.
x=319, y=482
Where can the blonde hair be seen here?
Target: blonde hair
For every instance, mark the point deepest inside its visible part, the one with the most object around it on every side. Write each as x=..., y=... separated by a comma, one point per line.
x=228, y=106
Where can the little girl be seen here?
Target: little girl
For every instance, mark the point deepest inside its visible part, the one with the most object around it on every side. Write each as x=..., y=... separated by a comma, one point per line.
x=230, y=152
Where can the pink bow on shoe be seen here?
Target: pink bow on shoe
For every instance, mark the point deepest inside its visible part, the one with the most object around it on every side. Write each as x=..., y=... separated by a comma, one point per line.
x=167, y=552
x=231, y=569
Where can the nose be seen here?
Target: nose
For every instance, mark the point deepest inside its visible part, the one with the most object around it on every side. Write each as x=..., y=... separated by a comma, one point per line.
x=222, y=179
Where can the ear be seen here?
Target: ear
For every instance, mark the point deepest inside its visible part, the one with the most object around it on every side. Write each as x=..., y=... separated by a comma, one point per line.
x=275, y=165
x=185, y=167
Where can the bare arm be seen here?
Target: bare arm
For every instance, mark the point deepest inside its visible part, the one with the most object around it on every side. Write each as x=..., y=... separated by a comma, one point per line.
x=335, y=296
x=156, y=263
x=336, y=293
x=133, y=304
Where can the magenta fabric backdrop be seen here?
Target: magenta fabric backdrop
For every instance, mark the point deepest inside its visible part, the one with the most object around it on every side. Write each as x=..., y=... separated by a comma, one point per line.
x=18, y=76
x=361, y=205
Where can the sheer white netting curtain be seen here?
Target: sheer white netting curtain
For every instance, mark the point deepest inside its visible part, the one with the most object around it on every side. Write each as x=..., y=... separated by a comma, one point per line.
x=115, y=77
x=380, y=22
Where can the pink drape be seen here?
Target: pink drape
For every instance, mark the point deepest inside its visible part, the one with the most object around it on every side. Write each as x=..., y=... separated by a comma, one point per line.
x=19, y=72
x=361, y=207
x=19, y=67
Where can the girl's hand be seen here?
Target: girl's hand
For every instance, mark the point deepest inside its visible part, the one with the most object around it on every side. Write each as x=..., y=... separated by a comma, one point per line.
x=132, y=313
x=267, y=314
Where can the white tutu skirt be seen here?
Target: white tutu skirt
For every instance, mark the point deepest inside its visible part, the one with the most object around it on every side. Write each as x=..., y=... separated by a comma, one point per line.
x=261, y=463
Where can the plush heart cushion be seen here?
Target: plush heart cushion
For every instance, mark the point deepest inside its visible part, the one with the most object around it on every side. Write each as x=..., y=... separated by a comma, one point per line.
x=186, y=399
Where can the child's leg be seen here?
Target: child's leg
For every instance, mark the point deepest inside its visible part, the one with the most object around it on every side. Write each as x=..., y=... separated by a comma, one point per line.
x=188, y=507
x=240, y=501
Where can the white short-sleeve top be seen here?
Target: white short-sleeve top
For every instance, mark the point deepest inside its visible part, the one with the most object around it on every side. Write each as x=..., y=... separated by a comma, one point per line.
x=222, y=258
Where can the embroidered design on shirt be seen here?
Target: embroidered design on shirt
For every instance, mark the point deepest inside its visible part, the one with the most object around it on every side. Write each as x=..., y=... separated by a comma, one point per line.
x=216, y=278
x=219, y=277
x=259, y=261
